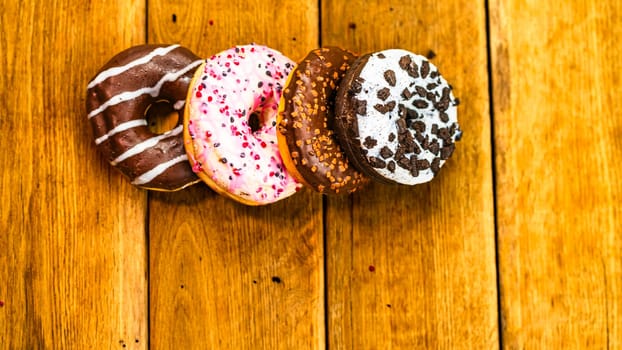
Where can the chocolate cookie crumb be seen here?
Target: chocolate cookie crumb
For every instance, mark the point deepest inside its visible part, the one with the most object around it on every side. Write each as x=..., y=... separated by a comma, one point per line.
x=391, y=166
x=405, y=62
x=389, y=76
x=377, y=162
x=436, y=165
x=443, y=133
x=409, y=143
x=360, y=107
x=384, y=93
x=356, y=86
x=421, y=91
x=434, y=147
x=420, y=104
x=425, y=69
x=431, y=86
x=411, y=114
x=401, y=111
x=370, y=142
x=422, y=164
x=419, y=137
x=404, y=163
x=386, y=152
x=416, y=149
x=430, y=97
x=399, y=153
x=447, y=151
x=388, y=107
x=401, y=126
x=452, y=128
x=418, y=125
x=407, y=94
x=413, y=70
x=426, y=143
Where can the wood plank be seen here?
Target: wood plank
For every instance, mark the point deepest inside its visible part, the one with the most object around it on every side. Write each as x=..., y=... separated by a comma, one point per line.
x=414, y=267
x=556, y=79
x=73, y=250
x=222, y=275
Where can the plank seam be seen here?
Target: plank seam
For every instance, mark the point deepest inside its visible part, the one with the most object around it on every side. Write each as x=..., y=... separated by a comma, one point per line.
x=319, y=22
x=146, y=21
x=494, y=170
x=324, y=215
x=148, y=269
x=325, y=260
x=147, y=216
x=602, y=260
x=351, y=309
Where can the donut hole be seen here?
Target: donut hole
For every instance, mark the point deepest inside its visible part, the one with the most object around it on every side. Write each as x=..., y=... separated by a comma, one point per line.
x=254, y=121
x=161, y=117
x=262, y=117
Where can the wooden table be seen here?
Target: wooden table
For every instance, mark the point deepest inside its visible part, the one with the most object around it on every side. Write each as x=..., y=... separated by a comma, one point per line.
x=517, y=244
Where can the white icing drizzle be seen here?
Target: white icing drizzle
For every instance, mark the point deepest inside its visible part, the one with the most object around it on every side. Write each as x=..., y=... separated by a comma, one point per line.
x=139, y=148
x=119, y=128
x=153, y=91
x=179, y=104
x=110, y=72
x=159, y=169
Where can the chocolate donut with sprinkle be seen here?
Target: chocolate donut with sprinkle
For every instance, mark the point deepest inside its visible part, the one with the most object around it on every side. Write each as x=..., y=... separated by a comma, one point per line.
x=308, y=144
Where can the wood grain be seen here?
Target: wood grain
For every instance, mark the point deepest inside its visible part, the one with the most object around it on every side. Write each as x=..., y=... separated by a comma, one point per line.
x=72, y=252
x=222, y=275
x=414, y=267
x=556, y=82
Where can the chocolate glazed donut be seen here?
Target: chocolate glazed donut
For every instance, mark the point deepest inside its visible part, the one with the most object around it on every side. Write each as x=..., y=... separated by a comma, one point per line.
x=308, y=144
x=118, y=98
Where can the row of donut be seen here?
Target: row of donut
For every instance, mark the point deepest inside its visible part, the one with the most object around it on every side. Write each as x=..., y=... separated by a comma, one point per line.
x=256, y=126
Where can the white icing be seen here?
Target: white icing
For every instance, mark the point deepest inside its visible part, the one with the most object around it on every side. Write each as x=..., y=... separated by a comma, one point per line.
x=153, y=90
x=139, y=148
x=375, y=124
x=179, y=104
x=119, y=128
x=159, y=169
x=110, y=72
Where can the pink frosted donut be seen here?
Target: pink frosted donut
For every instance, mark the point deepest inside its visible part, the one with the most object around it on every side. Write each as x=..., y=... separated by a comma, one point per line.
x=230, y=124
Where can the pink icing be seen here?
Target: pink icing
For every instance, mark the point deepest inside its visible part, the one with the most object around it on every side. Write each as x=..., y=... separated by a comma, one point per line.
x=235, y=84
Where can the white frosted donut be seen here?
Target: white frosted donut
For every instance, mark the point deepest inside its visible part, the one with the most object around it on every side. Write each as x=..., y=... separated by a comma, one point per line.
x=231, y=156
x=396, y=117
